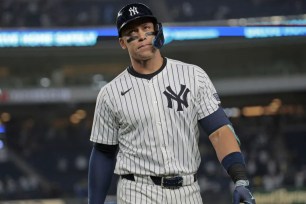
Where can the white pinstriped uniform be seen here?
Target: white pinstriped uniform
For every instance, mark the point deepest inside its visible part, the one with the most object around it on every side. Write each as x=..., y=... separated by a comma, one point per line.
x=155, y=123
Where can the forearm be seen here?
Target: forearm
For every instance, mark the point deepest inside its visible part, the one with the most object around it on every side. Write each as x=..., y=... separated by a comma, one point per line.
x=228, y=152
x=101, y=169
x=224, y=142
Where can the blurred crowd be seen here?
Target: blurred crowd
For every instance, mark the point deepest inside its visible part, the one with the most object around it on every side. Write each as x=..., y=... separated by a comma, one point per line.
x=56, y=13
x=49, y=150
x=67, y=13
x=49, y=156
x=232, y=9
x=272, y=146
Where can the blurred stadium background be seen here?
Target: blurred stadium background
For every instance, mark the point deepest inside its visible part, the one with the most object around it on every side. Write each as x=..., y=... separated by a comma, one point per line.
x=55, y=55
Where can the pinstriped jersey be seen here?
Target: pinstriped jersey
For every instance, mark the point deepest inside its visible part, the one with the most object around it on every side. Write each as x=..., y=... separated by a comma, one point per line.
x=155, y=121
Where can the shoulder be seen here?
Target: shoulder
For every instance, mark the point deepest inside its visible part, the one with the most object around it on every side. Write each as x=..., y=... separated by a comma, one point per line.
x=177, y=64
x=117, y=80
x=106, y=92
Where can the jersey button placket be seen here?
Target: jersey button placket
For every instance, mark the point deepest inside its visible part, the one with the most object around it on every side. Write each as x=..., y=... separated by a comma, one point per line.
x=158, y=122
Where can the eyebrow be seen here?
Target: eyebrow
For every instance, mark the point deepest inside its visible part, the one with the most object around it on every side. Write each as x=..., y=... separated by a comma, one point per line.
x=130, y=28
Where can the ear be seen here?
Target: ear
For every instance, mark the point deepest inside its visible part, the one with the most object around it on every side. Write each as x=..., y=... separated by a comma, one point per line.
x=122, y=43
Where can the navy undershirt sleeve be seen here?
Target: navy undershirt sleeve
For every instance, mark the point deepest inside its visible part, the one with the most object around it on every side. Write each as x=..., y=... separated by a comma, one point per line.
x=214, y=121
x=101, y=170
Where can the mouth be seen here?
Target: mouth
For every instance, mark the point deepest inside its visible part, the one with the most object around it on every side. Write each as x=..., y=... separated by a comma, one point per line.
x=144, y=46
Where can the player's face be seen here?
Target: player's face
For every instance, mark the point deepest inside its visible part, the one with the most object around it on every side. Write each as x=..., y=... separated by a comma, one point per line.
x=137, y=39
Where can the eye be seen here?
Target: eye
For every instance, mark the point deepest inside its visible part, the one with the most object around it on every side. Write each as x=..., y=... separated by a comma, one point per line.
x=131, y=32
x=147, y=27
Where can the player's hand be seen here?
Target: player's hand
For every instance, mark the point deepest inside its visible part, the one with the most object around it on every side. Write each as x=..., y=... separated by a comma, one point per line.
x=242, y=194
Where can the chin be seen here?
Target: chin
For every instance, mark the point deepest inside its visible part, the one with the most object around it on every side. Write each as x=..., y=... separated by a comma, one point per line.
x=144, y=56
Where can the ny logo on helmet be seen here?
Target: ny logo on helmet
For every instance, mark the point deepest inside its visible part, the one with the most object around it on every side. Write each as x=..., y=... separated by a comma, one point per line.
x=133, y=11
x=169, y=93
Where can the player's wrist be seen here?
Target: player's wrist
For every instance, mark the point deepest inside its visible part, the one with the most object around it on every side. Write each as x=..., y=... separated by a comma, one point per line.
x=244, y=183
x=238, y=172
x=235, y=166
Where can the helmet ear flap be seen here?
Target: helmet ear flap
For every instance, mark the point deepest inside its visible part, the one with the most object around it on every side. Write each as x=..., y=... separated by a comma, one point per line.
x=159, y=39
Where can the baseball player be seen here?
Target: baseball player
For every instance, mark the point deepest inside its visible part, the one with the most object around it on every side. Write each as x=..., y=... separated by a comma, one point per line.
x=146, y=120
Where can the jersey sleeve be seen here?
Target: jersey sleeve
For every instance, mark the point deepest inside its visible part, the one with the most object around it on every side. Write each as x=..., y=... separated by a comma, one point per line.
x=105, y=126
x=207, y=98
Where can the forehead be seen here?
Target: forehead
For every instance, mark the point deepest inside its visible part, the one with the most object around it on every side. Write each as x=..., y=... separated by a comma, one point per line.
x=136, y=23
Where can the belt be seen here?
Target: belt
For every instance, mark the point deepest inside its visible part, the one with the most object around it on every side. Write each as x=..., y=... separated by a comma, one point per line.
x=170, y=182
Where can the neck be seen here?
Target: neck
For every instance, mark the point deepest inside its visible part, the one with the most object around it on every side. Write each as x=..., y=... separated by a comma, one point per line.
x=148, y=66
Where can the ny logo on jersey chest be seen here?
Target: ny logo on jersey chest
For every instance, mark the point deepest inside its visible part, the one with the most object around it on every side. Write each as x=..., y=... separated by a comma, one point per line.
x=180, y=98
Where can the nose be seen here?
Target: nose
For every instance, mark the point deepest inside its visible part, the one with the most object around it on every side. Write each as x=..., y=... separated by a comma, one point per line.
x=142, y=35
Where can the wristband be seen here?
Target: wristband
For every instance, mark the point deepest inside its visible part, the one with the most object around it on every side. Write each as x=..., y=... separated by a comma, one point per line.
x=235, y=166
x=232, y=158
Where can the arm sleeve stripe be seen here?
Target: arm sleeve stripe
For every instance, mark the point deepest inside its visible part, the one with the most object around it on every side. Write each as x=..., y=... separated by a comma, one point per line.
x=214, y=121
x=109, y=149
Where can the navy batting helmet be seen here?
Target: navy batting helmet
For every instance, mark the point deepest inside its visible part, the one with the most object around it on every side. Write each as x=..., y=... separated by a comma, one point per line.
x=135, y=11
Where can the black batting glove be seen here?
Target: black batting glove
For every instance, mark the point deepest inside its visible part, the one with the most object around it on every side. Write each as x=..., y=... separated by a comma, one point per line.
x=242, y=194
